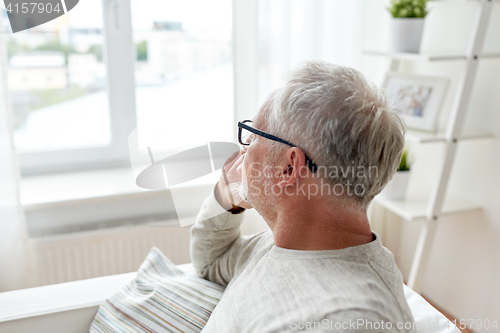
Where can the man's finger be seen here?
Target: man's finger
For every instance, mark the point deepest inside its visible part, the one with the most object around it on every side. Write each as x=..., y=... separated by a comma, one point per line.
x=228, y=188
x=230, y=161
x=229, y=168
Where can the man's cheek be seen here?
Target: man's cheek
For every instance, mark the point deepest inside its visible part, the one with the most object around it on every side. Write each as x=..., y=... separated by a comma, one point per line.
x=255, y=171
x=243, y=174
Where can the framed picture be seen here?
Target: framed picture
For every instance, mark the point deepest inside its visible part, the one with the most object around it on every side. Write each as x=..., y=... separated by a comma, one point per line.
x=417, y=98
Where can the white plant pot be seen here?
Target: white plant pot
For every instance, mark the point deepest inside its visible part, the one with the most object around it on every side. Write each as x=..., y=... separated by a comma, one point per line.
x=396, y=187
x=406, y=34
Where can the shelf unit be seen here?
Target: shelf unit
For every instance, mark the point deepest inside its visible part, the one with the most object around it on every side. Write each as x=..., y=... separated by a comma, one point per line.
x=440, y=202
x=427, y=57
x=426, y=137
x=416, y=207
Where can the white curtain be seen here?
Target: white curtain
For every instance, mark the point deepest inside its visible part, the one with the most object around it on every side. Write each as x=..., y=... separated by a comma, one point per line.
x=14, y=259
x=291, y=31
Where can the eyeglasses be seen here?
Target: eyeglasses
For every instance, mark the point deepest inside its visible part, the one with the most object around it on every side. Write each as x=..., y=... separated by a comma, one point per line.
x=245, y=131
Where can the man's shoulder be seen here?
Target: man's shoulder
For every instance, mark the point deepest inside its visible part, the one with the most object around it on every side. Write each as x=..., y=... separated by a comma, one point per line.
x=256, y=247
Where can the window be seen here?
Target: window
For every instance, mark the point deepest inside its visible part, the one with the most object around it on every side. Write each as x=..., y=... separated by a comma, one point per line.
x=80, y=84
x=57, y=82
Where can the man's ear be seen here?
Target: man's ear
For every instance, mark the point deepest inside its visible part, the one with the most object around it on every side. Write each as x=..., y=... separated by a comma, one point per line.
x=294, y=158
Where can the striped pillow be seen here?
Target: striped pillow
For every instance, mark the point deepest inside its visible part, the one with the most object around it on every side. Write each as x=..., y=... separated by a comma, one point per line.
x=160, y=299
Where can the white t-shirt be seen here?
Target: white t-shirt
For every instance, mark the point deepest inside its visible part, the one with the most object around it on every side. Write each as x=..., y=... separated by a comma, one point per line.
x=273, y=289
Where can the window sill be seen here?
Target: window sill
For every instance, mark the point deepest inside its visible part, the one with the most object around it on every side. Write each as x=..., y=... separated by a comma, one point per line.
x=79, y=201
x=44, y=191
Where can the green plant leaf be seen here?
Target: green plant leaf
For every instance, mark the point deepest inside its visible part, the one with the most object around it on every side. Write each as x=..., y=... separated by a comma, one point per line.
x=404, y=164
x=408, y=8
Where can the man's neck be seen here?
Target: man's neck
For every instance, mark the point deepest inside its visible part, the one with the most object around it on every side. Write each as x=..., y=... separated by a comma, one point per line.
x=317, y=225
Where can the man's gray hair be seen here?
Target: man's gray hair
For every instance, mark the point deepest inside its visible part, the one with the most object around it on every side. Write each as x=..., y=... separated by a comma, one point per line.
x=343, y=122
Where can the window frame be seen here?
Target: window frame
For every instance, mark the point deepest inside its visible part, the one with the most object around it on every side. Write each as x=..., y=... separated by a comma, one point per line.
x=119, y=54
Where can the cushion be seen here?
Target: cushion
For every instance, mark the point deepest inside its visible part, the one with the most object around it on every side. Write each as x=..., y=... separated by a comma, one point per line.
x=160, y=299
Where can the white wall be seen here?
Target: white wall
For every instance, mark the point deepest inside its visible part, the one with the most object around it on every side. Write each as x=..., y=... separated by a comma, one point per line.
x=464, y=268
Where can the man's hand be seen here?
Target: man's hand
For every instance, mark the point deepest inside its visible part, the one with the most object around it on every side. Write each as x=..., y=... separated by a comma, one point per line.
x=227, y=190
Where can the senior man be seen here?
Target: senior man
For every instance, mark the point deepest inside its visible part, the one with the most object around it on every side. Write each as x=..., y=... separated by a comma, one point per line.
x=318, y=151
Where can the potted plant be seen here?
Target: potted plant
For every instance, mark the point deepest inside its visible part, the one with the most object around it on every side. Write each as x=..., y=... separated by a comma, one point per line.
x=396, y=187
x=407, y=24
